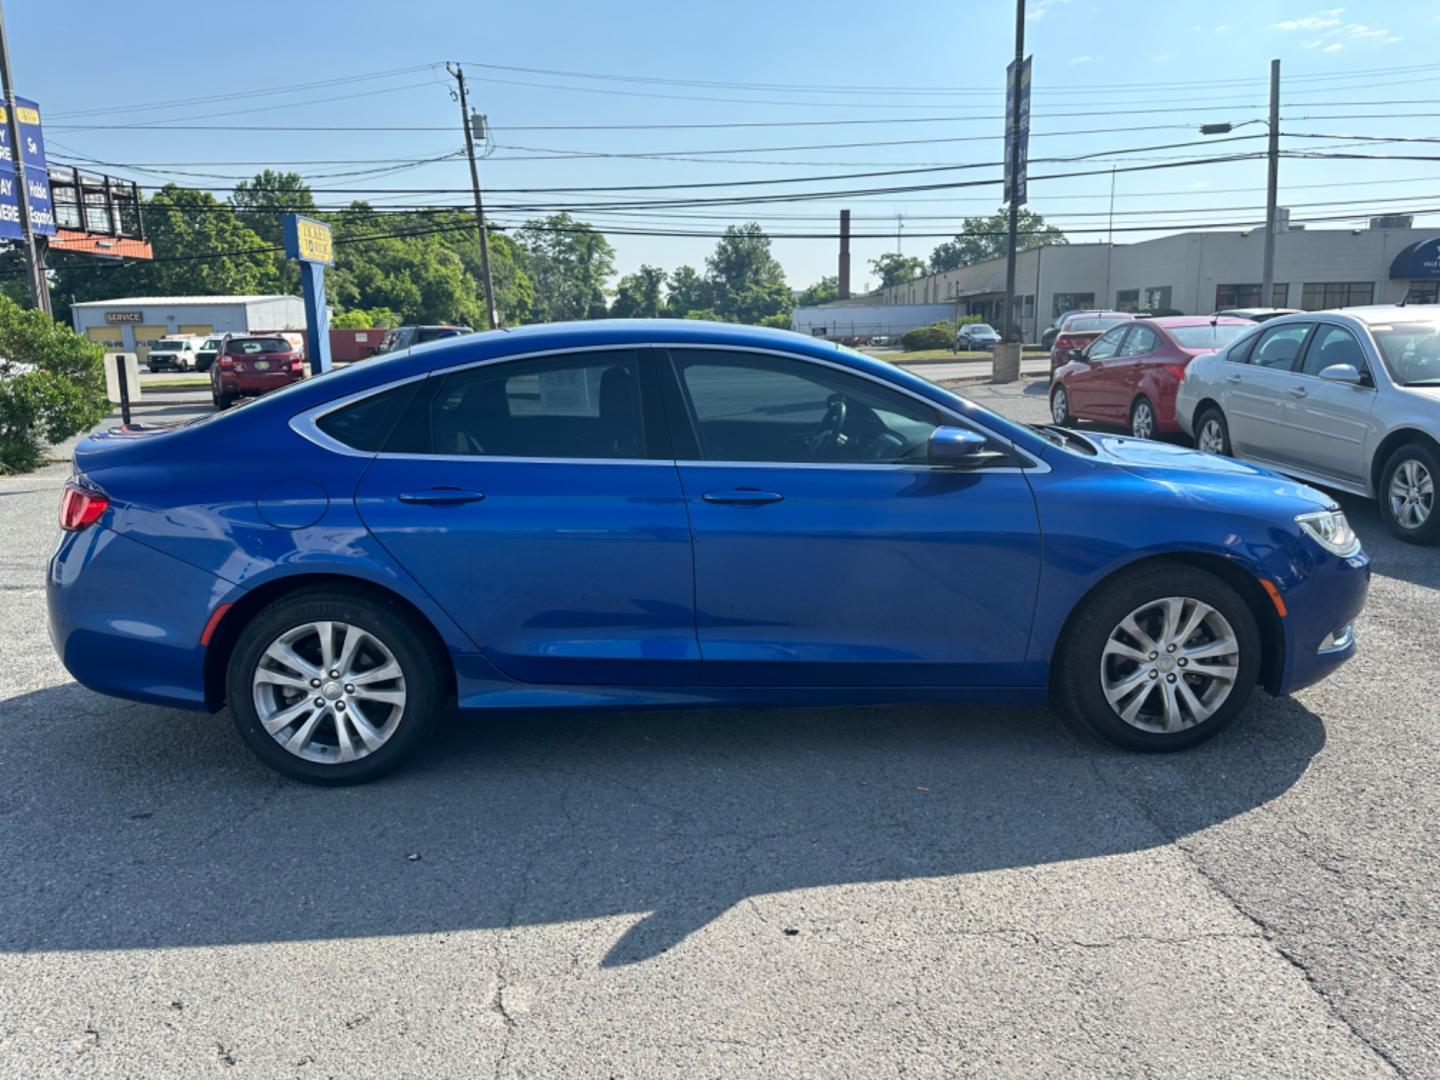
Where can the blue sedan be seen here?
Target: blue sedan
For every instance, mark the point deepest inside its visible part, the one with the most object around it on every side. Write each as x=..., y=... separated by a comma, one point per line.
x=665, y=514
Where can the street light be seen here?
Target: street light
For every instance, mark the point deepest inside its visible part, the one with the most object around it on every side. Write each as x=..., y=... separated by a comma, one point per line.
x=1272, y=183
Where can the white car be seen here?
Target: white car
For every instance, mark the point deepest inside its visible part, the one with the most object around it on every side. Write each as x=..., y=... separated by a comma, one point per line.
x=174, y=352
x=1347, y=399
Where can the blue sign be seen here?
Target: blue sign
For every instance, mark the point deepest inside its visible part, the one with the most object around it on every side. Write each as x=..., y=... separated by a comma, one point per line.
x=308, y=242
x=36, y=179
x=1017, y=127
x=1419, y=261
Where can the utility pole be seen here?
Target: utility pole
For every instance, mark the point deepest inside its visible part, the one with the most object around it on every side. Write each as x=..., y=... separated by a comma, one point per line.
x=1013, y=125
x=1272, y=184
x=465, y=122
x=34, y=274
x=843, y=279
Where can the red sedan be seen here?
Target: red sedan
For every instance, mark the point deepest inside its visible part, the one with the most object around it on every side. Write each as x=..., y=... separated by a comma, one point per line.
x=1129, y=374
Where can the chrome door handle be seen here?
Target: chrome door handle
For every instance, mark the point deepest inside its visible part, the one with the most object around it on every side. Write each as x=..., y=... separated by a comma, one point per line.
x=1233, y=379
x=742, y=497
x=1298, y=391
x=441, y=496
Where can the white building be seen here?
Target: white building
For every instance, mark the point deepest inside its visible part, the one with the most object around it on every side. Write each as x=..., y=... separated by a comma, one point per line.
x=133, y=324
x=1194, y=273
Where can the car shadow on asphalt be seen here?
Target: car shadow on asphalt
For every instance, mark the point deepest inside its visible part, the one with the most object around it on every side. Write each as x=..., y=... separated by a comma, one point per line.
x=129, y=826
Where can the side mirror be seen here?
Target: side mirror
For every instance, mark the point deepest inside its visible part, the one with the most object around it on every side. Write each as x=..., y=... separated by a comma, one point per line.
x=959, y=447
x=1342, y=373
x=1077, y=355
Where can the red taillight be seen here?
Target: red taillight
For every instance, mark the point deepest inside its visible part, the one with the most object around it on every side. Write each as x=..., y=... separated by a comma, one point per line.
x=1065, y=341
x=81, y=507
x=1177, y=370
x=226, y=361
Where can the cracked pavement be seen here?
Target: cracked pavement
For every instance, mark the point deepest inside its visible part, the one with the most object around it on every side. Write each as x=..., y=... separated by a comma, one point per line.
x=839, y=892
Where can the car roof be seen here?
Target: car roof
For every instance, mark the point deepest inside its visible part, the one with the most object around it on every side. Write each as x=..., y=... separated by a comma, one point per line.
x=1098, y=314
x=1387, y=313
x=1166, y=321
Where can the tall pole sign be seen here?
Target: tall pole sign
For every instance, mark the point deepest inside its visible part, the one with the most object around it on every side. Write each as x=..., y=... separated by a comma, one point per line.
x=309, y=243
x=1017, y=152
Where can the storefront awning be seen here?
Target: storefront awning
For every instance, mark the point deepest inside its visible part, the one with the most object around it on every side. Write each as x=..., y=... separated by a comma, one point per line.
x=1419, y=261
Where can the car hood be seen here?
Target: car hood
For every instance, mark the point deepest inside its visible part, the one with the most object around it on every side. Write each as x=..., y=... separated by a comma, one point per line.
x=1201, y=473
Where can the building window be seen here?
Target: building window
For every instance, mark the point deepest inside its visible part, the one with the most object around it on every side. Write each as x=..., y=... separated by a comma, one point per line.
x=1320, y=295
x=1157, y=298
x=1072, y=301
x=1423, y=292
x=1248, y=296
x=1127, y=300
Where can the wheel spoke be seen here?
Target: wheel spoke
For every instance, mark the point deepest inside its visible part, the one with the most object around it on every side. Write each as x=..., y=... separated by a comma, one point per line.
x=282, y=653
x=353, y=638
x=1198, y=611
x=1114, y=647
x=1211, y=649
x=367, y=731
x=1131, y=627
x=1220, y=672
x=1174, y=719
x=383, y=673
x=1173, y=607
x=301, y=738
x=282, y=678
x=385, y=697
x=344, y=744
x=1199, y=711
x=1132, y=710
x=326, y=632
x=1116, y=692
x=279, y=721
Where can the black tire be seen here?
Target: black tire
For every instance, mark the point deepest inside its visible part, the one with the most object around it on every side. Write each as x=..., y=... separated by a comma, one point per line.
x=1079, y=693
x=1060, y=406
x=222, y=401
x=1426, y=461
x=1135, y=412
x=1213, y=415
x=154, y=369
x=408, y=641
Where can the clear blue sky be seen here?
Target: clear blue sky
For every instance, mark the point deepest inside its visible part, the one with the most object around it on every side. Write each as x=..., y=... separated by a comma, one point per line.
x=1152, y=71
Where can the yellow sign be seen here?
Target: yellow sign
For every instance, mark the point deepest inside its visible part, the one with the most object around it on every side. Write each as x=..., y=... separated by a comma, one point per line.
x=313, y=242
x=23, y=113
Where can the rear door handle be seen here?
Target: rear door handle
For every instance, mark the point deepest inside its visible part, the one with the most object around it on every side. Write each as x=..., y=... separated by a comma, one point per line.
x=1233, y=379
x=1298, y=391
x=742, y=497
x=441, y=496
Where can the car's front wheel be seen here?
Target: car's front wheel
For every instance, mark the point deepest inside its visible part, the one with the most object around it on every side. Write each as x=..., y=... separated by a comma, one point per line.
x=1160, y=658
x=1212, y=434
x=333, y=687
x=1060, y=406
x=1407, y=494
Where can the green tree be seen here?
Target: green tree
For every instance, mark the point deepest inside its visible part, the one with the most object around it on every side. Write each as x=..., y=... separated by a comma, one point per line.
x=984, y=238
x=569, y=263
x=261, y=204
x=415, y=274
x=896, y=269
x=639, y=295
x=360, y=319
x=824, y=291
x=747, y=281
x=514, y=291
x=52, y=385
x=688, y=292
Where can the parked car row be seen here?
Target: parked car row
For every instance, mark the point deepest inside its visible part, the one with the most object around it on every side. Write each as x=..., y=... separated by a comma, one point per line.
x=1347, y=399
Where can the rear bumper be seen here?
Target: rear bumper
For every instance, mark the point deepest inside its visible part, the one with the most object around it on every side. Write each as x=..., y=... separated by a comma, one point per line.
x=249, y=385
x=126, y=619
x=1329, y=599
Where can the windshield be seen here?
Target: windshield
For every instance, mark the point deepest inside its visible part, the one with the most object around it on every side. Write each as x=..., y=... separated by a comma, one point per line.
x=254, y=346
x=981, y=328
x=1092, y=326
x=1412, y=352
x=1207, y=337
x=211, y=343
x=167, y=346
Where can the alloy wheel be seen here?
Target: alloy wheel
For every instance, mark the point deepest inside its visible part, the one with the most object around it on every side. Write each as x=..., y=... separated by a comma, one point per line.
x=1059, y=406
x=329, y=692
x=1212, y=437
x=1169, y=664
x=1412, y=494
x=1142, y=420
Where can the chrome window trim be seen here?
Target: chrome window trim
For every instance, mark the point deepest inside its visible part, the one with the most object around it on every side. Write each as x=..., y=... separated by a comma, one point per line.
x=304, y=423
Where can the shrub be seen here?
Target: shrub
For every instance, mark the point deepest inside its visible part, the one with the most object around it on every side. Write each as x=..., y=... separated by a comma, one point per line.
x=940, y=335
x=52, y=385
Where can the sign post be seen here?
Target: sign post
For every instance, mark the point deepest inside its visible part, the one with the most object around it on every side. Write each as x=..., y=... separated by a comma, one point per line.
x=122, y=381
x=309, y=243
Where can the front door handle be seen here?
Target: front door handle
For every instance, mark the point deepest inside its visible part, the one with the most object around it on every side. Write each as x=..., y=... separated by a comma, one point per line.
x=441, y=496
x=742, y=497
x=1233, y=379
x=1298, y=391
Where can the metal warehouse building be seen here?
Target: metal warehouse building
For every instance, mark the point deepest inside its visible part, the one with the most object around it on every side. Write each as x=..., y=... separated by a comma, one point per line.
x=133, y=324
x=1194, y=273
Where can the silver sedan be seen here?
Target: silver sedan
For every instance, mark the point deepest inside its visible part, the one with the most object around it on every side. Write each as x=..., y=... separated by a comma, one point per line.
x=1348, y=400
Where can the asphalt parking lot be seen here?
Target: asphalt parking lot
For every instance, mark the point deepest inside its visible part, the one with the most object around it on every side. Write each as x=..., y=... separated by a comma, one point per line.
x=846, y=892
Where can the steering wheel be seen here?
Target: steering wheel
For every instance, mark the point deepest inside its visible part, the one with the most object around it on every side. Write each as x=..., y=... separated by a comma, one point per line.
x=831, y=431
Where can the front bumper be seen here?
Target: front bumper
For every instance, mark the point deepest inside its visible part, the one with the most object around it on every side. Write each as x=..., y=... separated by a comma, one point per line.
x=126, y=619
x=1320, y=607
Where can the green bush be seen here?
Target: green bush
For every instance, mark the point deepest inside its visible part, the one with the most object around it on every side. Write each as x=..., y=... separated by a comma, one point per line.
x=52, y=385
x=940, y=335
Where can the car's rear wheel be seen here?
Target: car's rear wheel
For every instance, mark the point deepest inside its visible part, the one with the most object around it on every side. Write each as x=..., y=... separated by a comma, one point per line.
x=1142, y=418
x=221, y=401
x=1060, y=406
x=1212, y=434
x=1407, y=494
x=1160, y=658
x=334, y=687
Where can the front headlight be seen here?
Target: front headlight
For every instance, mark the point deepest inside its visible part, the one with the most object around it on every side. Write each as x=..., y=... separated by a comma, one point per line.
x=1330, y=530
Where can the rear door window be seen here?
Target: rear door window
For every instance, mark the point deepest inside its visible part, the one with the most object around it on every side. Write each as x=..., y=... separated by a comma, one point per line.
x=574, y=405
x=1279, y=346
